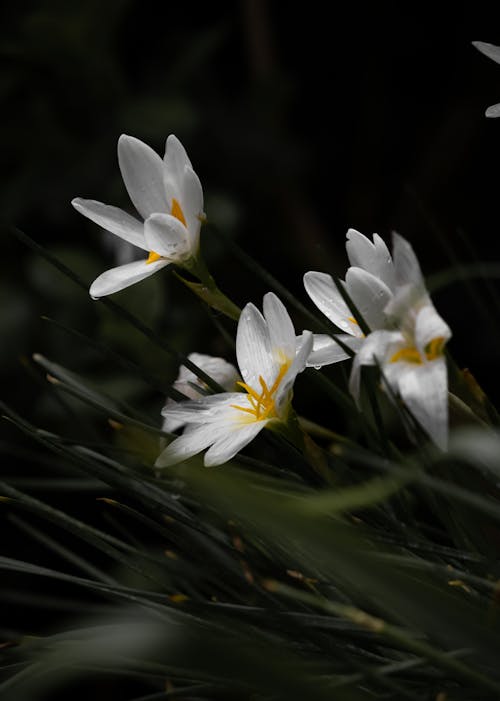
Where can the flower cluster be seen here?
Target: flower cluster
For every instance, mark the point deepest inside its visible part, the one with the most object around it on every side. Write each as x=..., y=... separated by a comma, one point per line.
x=383, y=311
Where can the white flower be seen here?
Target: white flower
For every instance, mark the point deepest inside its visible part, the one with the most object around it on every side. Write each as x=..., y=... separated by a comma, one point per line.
x=413, y=363
x=369, y=282
x=493, y=52
x=410, y=351
x=407, y=336
x=224, y=373
x=269, y=357
x=169, y=198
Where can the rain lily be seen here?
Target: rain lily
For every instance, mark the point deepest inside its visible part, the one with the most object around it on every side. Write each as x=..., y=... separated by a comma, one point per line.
x=269, y=357
x=225, y=374
x=407, y=336
x=493, y=52
x=168, y=196
x=369, y=283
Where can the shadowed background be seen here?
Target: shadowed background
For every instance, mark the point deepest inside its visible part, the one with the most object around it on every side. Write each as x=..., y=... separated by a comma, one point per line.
x=299, y=125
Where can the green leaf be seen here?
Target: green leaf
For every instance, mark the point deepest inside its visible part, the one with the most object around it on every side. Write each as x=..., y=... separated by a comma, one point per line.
x=361, y=496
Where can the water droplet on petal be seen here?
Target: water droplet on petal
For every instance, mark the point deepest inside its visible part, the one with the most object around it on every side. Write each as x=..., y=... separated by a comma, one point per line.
x=317, y=367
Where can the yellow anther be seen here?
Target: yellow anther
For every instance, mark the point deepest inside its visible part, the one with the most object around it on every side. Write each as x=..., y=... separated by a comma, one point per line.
x=409, y=355
x=352, y=320
x=177, y=211
x=262, y=405
x=435, y=348
x=153, y=257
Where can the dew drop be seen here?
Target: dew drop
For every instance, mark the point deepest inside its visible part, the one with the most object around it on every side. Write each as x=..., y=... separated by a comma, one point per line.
x=317, y=367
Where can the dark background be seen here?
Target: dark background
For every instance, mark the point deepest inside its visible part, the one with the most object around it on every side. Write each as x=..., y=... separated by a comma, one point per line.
x=300, y=120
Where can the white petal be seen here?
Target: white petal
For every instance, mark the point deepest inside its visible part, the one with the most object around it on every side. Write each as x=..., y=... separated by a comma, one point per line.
x=326, y=350
x=170, y=424
x=253, y=347
x=406, y=263
x=429, y=325
x=493, y=111
x=489, y=50
x=167, y=236
x=113, y=219
x=202, y=410
x=283, y=393
x=322, y=290
x=229, y=444
x=218, y=369
x=175, y=158
x=119, y=278
x=406, y=300
x=372, y=257
x=142, y=172
x=424, y=390
x=189, y=444
x=224, y=373
x=175, y=162
x=374, y=349
x=370, y=296
x=281, y=331
x=192, y=203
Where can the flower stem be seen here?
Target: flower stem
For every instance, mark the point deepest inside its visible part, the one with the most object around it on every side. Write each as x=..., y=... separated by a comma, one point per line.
x=207, y=289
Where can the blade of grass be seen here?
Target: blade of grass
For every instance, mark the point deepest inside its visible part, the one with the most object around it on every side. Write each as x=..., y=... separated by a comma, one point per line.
x=117, y=550
x=394, y=634
x=71, y=380
x=62, y=551
x=361, y=496
x=117, y=359
x=119, y=311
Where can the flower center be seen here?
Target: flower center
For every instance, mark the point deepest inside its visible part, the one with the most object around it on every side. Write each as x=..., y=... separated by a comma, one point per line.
x=178, y=214
x=262, y=405
x=432, y=351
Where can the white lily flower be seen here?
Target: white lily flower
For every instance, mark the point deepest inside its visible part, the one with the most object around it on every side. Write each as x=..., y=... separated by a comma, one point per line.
x=224, y=373
x=369, y=282
x=169, y=198
x=407, y=335
x=493, y=52
x=410, y=351
x=413, y=363
x=269, y=357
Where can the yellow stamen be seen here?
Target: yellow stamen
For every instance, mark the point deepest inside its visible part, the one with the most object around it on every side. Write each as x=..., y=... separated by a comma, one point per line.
x=262, y=405
x=153, y=257
x=177, y=211
x=435, y=348
x=409, y=355
x=352, y=320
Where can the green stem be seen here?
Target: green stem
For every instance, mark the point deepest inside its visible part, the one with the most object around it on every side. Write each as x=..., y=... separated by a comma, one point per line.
x=207, y=289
